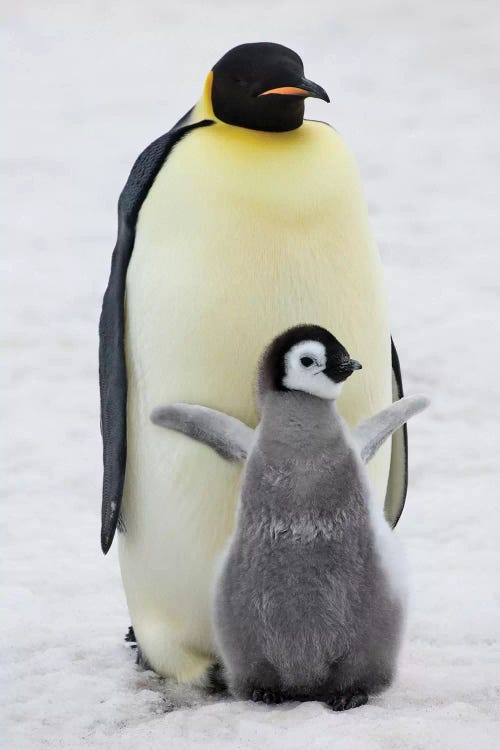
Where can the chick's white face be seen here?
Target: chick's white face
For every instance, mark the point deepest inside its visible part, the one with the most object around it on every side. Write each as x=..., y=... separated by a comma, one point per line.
x=304, y=365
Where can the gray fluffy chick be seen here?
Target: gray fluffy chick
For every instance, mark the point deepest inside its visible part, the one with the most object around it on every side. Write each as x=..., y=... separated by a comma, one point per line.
x=309, y=601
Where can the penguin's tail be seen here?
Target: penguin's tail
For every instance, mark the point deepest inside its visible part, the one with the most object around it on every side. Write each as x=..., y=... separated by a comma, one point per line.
x=215, y=680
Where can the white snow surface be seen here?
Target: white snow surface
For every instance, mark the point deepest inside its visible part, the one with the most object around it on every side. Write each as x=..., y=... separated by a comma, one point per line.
x=414, y=91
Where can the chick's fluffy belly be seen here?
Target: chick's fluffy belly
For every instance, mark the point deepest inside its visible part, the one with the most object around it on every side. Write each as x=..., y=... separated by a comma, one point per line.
x=242, y=235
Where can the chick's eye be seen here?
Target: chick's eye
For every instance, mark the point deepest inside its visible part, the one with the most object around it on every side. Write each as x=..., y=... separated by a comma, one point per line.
x=306, y=361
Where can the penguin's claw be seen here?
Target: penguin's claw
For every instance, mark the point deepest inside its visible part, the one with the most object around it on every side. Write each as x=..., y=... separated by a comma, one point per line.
x=130, y=635
x=261, y=695
x=345, y=701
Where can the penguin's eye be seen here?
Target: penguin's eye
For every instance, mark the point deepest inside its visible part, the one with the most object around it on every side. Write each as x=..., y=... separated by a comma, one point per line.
x=240, y=81
x=306, y=361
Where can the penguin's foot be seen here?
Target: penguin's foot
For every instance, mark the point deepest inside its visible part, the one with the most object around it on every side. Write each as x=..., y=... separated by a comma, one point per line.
x=349, y=699
x=140, y=659
x=261, y=695
x=215, y=679
x=165, y=652
x=130, y=636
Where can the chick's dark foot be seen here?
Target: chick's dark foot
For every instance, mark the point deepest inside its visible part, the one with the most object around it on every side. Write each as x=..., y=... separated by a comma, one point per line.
x=261, y=695
x=347, y=700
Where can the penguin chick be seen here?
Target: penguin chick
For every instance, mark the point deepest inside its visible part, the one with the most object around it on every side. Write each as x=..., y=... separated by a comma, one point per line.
x=309, y=602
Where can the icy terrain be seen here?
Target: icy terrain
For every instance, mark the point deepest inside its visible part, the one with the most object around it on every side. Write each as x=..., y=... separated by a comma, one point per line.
x=414, y=90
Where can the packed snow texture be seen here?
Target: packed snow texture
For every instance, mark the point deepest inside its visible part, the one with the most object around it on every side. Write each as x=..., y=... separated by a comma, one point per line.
x=413, y=91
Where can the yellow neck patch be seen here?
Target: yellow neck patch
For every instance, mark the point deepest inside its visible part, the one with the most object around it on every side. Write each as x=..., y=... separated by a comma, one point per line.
x=204, y=110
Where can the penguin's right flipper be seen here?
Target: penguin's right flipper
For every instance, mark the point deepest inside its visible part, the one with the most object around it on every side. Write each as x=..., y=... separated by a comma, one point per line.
x=229, y=437
x=112, y=366
x=397, y=483
x=372, y=433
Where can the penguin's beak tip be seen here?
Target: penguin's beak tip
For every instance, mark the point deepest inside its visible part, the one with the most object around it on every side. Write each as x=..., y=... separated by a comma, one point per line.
x=355, y=364
x=318, y=92
x=314, y=90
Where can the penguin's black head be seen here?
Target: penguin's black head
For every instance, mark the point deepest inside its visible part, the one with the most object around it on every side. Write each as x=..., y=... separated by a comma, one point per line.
x=262, y=86
x=306, y=358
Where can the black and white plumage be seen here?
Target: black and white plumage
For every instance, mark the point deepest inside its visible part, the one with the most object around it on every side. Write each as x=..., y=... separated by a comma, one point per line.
x=244, y=219
x=310, y=598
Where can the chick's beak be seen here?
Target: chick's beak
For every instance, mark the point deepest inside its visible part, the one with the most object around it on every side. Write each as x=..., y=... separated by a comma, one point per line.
x=299, y=87
x=340, y=372
x=355, y=364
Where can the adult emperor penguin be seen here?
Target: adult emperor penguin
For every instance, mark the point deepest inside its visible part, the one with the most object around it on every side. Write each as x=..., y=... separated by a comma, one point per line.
x=242, y=220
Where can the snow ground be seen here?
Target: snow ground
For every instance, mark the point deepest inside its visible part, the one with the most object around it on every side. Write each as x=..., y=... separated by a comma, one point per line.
x=413, y=87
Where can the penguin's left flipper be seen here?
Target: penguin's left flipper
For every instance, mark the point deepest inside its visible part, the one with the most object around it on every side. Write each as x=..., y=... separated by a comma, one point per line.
x=371, y=434
x=229, y=437
x=112, y=360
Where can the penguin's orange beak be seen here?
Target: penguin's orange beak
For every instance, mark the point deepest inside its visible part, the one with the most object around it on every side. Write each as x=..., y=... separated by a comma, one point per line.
x=303, y=87
x=286, y=90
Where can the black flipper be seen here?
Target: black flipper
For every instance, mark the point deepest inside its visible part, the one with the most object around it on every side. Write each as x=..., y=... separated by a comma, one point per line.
x=398, y=475
x=112, y=369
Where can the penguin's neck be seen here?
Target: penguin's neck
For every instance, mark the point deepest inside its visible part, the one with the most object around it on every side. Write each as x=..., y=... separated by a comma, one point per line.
x=296, y=421
x=203, y=109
